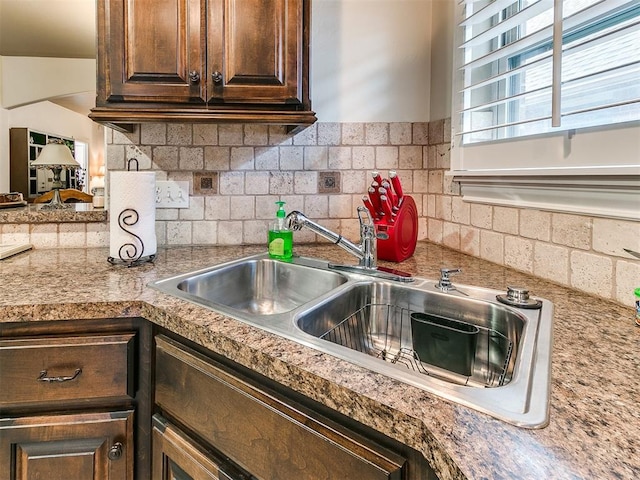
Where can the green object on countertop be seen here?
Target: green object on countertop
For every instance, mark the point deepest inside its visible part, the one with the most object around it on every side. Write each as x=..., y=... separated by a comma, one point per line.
x=637, y=293
x=280, y=238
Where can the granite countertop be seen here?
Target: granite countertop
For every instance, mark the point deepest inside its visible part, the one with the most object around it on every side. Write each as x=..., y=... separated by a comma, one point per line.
x=34, y=213
x=594, y=429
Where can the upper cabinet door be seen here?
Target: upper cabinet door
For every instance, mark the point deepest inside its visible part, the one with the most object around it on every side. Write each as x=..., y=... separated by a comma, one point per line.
x=255, y=51
x=151, y=51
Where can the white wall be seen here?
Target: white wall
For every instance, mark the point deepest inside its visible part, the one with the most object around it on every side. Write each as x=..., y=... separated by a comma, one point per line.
x=441, y=74
x=49, y=118
x=26, y=80
x=370, y=60
x=26, y=83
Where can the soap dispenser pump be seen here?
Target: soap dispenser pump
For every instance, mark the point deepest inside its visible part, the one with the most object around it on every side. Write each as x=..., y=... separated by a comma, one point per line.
x=280, y=240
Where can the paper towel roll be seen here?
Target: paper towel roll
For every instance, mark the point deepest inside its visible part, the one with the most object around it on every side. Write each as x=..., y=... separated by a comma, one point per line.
x=132, y=215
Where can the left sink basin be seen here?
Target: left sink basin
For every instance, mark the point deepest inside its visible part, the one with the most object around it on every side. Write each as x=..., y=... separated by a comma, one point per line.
x=255, y=285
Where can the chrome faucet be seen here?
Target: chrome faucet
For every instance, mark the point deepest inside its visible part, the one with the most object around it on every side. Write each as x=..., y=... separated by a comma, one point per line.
x=365, y=251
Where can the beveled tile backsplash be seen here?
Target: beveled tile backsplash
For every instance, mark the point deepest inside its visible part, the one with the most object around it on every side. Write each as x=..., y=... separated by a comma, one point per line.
x=237, y=172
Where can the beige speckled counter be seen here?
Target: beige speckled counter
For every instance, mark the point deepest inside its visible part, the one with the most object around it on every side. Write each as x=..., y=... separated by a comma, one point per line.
x=77, y=212
x=594, y=429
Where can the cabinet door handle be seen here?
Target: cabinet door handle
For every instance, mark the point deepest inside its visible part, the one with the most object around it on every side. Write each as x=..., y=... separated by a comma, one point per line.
x=216, y=76
x=115, y=452
x=43, y=376
x=194, y=77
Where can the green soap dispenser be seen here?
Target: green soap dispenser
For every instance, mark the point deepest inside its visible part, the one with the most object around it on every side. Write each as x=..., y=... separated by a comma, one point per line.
x=280, y=237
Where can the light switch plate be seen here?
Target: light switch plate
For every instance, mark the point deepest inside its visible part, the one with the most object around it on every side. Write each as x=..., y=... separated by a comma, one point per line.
x=172, y=194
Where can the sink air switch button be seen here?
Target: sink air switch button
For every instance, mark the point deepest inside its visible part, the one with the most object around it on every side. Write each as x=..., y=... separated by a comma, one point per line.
x=518, y=297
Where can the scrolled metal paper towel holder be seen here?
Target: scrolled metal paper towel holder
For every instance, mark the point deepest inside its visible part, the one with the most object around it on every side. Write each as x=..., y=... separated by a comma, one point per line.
x=130, y=253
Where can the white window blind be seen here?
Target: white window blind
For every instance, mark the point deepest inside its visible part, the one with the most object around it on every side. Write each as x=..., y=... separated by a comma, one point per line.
x=533, y=67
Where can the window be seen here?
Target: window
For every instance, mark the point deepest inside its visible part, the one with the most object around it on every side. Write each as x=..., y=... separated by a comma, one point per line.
x=549, y=88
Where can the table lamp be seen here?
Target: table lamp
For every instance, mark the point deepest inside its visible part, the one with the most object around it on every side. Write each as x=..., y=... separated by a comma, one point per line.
x=55, y=156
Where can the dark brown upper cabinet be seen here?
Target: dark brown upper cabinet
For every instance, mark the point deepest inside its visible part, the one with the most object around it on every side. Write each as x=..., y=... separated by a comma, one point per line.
x=236, y=61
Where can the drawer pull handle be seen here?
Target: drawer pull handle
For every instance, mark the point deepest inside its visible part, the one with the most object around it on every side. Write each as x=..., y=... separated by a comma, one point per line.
x=43, y=376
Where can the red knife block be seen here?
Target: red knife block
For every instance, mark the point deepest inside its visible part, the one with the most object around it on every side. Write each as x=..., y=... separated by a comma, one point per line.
x=402, y=234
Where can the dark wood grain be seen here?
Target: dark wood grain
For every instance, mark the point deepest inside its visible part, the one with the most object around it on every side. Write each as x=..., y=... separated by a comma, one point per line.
x=267, y=437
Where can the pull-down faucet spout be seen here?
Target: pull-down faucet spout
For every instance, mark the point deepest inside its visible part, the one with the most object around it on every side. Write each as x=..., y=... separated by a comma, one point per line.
x=365, y=251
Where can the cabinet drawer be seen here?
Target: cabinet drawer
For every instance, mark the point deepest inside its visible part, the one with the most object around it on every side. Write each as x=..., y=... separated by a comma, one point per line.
x=36, y=370
x=257, y=430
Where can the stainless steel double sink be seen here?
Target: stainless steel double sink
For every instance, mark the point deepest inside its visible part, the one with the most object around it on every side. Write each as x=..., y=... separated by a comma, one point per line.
x=372, y=322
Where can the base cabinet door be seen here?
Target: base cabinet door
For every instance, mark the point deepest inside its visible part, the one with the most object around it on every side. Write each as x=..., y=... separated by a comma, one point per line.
x=92, y=446
x=176, y=456
x=263, y=433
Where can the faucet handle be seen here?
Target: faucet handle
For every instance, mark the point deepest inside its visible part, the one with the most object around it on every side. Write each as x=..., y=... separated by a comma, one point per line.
x=364, y=216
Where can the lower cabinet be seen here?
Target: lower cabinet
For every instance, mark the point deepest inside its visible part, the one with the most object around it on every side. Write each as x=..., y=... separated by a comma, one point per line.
x=179, y=457
x=258, y=432
x=79, y=447
x=75, y=400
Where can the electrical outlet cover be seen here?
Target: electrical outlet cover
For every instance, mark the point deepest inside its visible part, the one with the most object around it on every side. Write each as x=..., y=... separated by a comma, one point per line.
x=172, y=194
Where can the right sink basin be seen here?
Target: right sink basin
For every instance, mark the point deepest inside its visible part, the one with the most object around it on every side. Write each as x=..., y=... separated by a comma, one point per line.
x=462, y=345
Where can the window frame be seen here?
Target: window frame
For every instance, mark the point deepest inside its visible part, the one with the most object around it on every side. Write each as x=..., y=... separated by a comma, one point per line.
x=577, y=176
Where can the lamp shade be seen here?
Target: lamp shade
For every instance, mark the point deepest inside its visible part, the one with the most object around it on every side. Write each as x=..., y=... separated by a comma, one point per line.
x=55, y=154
